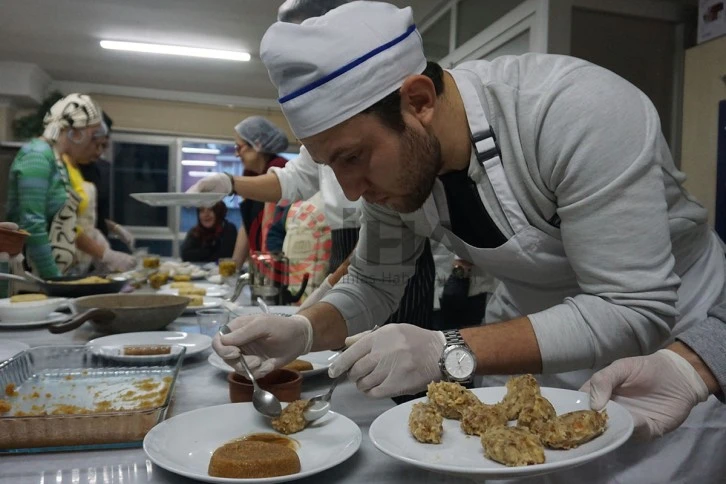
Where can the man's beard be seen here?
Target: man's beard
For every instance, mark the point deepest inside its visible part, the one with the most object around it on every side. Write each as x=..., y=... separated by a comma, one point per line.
x=421, y=163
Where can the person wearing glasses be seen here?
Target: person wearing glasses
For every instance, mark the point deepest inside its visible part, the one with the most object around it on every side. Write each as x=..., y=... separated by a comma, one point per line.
x=46, y=196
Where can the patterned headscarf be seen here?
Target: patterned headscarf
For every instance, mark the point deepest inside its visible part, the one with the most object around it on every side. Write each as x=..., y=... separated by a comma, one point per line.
x=73, y=111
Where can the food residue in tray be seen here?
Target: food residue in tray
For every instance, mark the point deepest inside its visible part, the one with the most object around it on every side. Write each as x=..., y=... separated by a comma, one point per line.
x=110, y=396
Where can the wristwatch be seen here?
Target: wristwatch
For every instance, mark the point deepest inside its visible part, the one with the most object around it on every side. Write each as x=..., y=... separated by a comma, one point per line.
x=458, y=362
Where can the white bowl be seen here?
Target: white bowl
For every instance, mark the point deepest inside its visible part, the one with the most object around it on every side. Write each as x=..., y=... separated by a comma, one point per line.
x=29, y=311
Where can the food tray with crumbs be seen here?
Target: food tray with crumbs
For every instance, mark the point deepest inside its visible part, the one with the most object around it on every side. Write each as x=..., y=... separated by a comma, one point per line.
x=63, y=398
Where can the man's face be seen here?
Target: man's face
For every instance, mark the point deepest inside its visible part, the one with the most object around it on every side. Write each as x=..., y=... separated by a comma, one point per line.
x=378, y=163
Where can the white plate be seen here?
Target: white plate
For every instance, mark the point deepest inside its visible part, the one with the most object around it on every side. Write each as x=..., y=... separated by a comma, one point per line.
x=209, y=303
x=28, y=311
x=8, y=349
x=462, y=455
x=178, y=199
x=185, y=443
x=117, y=353
x=320, y=359
x=213, y=290
x=50, y=319
x=195, y=343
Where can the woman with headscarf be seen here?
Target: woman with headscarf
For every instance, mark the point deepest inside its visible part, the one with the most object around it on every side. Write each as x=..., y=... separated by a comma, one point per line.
x=213, y=237
x=46, y=193
x=257, y=143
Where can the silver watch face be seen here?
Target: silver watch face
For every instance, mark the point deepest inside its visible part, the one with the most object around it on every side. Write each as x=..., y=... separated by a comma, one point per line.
x=459, y=363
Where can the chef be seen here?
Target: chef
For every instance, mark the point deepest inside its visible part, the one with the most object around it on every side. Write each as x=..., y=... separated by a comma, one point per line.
x=548, y=172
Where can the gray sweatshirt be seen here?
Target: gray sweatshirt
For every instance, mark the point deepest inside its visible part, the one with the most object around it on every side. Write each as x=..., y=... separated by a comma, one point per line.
x=708, y=340
x=580, y=142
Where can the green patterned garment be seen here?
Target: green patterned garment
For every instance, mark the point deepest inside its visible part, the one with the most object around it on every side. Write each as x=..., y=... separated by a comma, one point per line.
x=36, y=193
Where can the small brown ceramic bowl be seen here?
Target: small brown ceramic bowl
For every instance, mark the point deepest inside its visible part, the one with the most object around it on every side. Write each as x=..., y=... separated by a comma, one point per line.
x=285, y=384
x=12, y=241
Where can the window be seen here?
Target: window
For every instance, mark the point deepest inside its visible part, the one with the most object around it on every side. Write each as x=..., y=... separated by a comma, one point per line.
x=474, y=16
x=436, y=38
x=141, y=165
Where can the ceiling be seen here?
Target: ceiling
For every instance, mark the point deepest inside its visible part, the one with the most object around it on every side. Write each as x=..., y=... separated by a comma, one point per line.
x=62, y=38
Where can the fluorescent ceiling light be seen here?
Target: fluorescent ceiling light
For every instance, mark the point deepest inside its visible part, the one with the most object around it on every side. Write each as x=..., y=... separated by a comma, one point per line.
x=201, y=174
x=201, y=151
x=198, y=163
x=176, y=50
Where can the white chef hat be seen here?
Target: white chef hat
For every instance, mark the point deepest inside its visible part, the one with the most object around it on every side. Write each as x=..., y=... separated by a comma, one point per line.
x=330, y=68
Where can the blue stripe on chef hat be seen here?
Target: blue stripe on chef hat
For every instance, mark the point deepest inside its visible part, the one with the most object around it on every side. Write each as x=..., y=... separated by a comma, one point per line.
x=330, y=68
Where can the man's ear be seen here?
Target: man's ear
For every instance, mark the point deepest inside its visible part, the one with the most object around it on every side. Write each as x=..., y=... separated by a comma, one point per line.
x=418, y=98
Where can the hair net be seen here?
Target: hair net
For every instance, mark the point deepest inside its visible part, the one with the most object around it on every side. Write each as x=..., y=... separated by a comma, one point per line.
x=262, y=135
x=295, y=11
x=72, y=111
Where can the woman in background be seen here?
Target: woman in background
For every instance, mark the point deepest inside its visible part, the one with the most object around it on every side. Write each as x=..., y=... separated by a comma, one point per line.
x=213, y=237
x=46, y=196
x=257, y=143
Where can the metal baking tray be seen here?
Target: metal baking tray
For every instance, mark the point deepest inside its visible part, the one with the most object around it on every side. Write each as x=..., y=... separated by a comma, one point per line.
x=67, y=398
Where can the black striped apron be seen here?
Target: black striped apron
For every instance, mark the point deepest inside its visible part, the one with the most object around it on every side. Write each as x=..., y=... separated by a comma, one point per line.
x=417, y=303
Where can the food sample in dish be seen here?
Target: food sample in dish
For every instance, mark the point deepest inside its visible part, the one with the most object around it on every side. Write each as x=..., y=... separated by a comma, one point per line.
x=151, y=262
x=158, y=279
x=182, y=278
x=21, y=298
x=521, y=391
x=534, y=415
x=426, y=423
x=450, y=398
x=227, y=268
x=87, y=280
x=477, y=419
x=299, y=365
x=512, y=446
x=245, y=459
x=291, y=419
x=192, y=291
x=146, y=350
x=181, y=284
x=195, y=301
x=10, y=390
x=573, y=429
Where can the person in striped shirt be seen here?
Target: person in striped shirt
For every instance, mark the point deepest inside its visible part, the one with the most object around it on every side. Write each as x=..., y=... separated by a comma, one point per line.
x=41, y=194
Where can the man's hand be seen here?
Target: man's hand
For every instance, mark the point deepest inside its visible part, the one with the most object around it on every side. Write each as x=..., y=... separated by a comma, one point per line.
x=267, y=341
x=659, y=390
x=397, y=359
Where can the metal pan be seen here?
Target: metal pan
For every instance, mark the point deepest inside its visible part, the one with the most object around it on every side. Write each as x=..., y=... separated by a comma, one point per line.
x=56, y=288
x=125, y=313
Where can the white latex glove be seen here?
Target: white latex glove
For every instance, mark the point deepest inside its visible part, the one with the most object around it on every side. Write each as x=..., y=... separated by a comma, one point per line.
x=216, y=183
x=9, y=225
x=118, y=261
x=397, y=359
x=267, y=341
x=123, y=234
x=317, y=294
x=659, y=390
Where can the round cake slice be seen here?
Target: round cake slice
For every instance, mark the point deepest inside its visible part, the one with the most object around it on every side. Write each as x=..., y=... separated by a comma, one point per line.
x=252, y=459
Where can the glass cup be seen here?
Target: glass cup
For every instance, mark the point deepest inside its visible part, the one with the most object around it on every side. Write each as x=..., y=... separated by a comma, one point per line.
x=227, y=267
x=210, y=320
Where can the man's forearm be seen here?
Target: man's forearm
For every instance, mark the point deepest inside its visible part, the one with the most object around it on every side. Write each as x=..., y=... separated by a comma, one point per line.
x=329, y=328
x=89, y=246
x=697, y=363
x=504, y=348
x=263, y=188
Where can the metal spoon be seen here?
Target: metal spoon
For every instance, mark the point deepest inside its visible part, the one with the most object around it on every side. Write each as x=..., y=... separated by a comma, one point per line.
x=264, y=402
x=319, y=405
x=263, y=305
